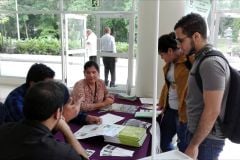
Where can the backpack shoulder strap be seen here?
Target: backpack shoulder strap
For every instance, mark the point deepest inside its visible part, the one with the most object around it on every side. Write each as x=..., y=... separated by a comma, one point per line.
x=206, y=55
x=188, y=63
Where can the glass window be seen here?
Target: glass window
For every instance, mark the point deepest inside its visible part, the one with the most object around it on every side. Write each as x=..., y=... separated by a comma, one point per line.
x=29, y=5
x=228, y=39
x=228, y=4
x=104, y=5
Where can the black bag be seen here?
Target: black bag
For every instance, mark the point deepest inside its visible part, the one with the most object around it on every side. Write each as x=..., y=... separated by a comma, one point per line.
x=230, y=123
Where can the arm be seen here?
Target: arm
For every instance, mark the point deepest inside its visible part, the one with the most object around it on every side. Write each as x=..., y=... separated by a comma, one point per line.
x=212, y=107
x=71, y=109
x=63, y=127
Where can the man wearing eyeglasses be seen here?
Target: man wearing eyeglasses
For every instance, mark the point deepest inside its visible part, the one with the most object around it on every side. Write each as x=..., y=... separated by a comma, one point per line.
x=205, y=138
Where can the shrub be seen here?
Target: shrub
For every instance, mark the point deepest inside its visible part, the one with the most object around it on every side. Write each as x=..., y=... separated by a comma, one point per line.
x=44, y=46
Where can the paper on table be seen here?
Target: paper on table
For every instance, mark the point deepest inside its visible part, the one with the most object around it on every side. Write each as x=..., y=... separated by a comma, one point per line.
x=174, y=154
x=110, y=150
x=147, y=100
x=90, y=152
x=110, y=118
x=93, y=130
x=87, y=131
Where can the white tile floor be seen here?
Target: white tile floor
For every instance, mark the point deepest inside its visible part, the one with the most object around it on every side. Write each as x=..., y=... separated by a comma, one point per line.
x=230, y=151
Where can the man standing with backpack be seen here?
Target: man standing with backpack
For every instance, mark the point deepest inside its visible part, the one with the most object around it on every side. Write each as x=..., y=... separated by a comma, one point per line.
x=205, y=104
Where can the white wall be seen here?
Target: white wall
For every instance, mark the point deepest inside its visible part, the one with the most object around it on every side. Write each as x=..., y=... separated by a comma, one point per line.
x=170, y=12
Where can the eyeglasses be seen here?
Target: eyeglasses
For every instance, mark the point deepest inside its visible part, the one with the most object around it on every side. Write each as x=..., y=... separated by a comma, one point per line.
x=181, y=40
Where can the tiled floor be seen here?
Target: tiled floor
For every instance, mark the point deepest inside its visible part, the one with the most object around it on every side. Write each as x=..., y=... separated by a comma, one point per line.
x=231, y=151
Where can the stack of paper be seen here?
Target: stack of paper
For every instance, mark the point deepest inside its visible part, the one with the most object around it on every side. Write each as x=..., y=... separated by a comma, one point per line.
x=129, y=135
x=147, y=100
x=137, y=123
x=110, y=150
x=146, y=113
x=125, y=108
x=126, y=96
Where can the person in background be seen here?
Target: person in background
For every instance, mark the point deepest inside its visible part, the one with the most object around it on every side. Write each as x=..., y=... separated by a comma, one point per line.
x=108, y=45
x=91, y=45
x=13, y=106
x=92, y=89
x=172, y=99
x=32, y=138
x=205, y=137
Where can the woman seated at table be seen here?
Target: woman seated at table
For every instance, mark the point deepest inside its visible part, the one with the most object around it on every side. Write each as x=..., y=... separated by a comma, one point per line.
x=92, y=89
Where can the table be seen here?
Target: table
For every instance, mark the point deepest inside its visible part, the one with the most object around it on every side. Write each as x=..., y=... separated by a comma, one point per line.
x=97, y=143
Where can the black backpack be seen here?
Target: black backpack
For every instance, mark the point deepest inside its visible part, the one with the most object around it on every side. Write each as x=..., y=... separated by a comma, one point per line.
x=230, y=123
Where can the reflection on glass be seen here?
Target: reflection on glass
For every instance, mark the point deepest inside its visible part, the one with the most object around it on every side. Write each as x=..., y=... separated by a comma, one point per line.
x=228, y=39
x=76, y=35
x=29, y=5
x=105, y=5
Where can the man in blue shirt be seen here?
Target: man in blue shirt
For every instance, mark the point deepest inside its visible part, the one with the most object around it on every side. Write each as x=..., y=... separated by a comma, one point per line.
x=13, y=106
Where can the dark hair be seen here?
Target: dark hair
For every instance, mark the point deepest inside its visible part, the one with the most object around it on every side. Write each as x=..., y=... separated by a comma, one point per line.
x=91, y=64
x=167, y=41
x=43, y=99
x=39, y=72
x=191, y=24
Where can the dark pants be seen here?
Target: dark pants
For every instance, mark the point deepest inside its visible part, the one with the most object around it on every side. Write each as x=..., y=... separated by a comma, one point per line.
x=170, y=126
x=2, y=113
x=93, y=58
x=109, y=66
x=209, y=148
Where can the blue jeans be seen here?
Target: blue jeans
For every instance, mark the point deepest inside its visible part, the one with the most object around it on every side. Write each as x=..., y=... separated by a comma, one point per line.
x=209, y=148
x=170, y=126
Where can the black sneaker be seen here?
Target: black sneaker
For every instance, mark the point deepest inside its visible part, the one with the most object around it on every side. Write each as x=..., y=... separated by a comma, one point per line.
x=106, y=83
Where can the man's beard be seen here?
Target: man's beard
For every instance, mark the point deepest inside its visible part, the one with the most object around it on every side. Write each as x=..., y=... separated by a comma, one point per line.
x=192, y=50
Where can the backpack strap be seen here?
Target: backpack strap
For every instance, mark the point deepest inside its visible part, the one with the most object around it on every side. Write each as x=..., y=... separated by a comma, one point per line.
x=188, y=63
x=206, y=54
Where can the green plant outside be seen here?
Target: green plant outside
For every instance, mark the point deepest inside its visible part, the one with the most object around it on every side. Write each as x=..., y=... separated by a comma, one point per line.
x=51, y=46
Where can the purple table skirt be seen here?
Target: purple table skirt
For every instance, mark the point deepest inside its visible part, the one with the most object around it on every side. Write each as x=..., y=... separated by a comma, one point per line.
x=97, y=143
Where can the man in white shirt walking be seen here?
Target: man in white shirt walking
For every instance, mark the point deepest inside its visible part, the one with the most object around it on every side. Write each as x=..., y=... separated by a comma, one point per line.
x=91, y=45
x=108, y=45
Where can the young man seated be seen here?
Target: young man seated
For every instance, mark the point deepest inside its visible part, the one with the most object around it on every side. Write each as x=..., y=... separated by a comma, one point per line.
x=31, y=139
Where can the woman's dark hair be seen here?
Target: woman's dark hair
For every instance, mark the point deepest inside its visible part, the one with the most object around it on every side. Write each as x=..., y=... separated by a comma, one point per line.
x=43, y=99
x=167, y=41
x=91, y=64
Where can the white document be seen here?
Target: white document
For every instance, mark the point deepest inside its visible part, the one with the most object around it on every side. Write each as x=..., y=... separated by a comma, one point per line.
x=110, y=150
x=147, y=100
x=111, y=129
x=87, y=131
x=174, y=154
x=93, y=130
x=90, y=152
x=111, y=118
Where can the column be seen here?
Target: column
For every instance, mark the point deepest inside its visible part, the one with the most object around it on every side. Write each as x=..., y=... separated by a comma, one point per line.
x=170, y=12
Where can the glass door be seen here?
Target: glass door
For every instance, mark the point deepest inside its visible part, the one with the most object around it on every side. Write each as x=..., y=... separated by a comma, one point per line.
x=122, y=28
x=227, y=36
x=75, y=52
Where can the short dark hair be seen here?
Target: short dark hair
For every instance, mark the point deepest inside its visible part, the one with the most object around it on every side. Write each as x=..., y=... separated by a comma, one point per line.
x=191, y=24
x=167, y=41
x=39, y=72
x=43, y=99
x=91, y=64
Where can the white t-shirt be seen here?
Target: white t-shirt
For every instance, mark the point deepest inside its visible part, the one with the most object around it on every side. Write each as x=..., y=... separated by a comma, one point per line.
x=91, y=44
